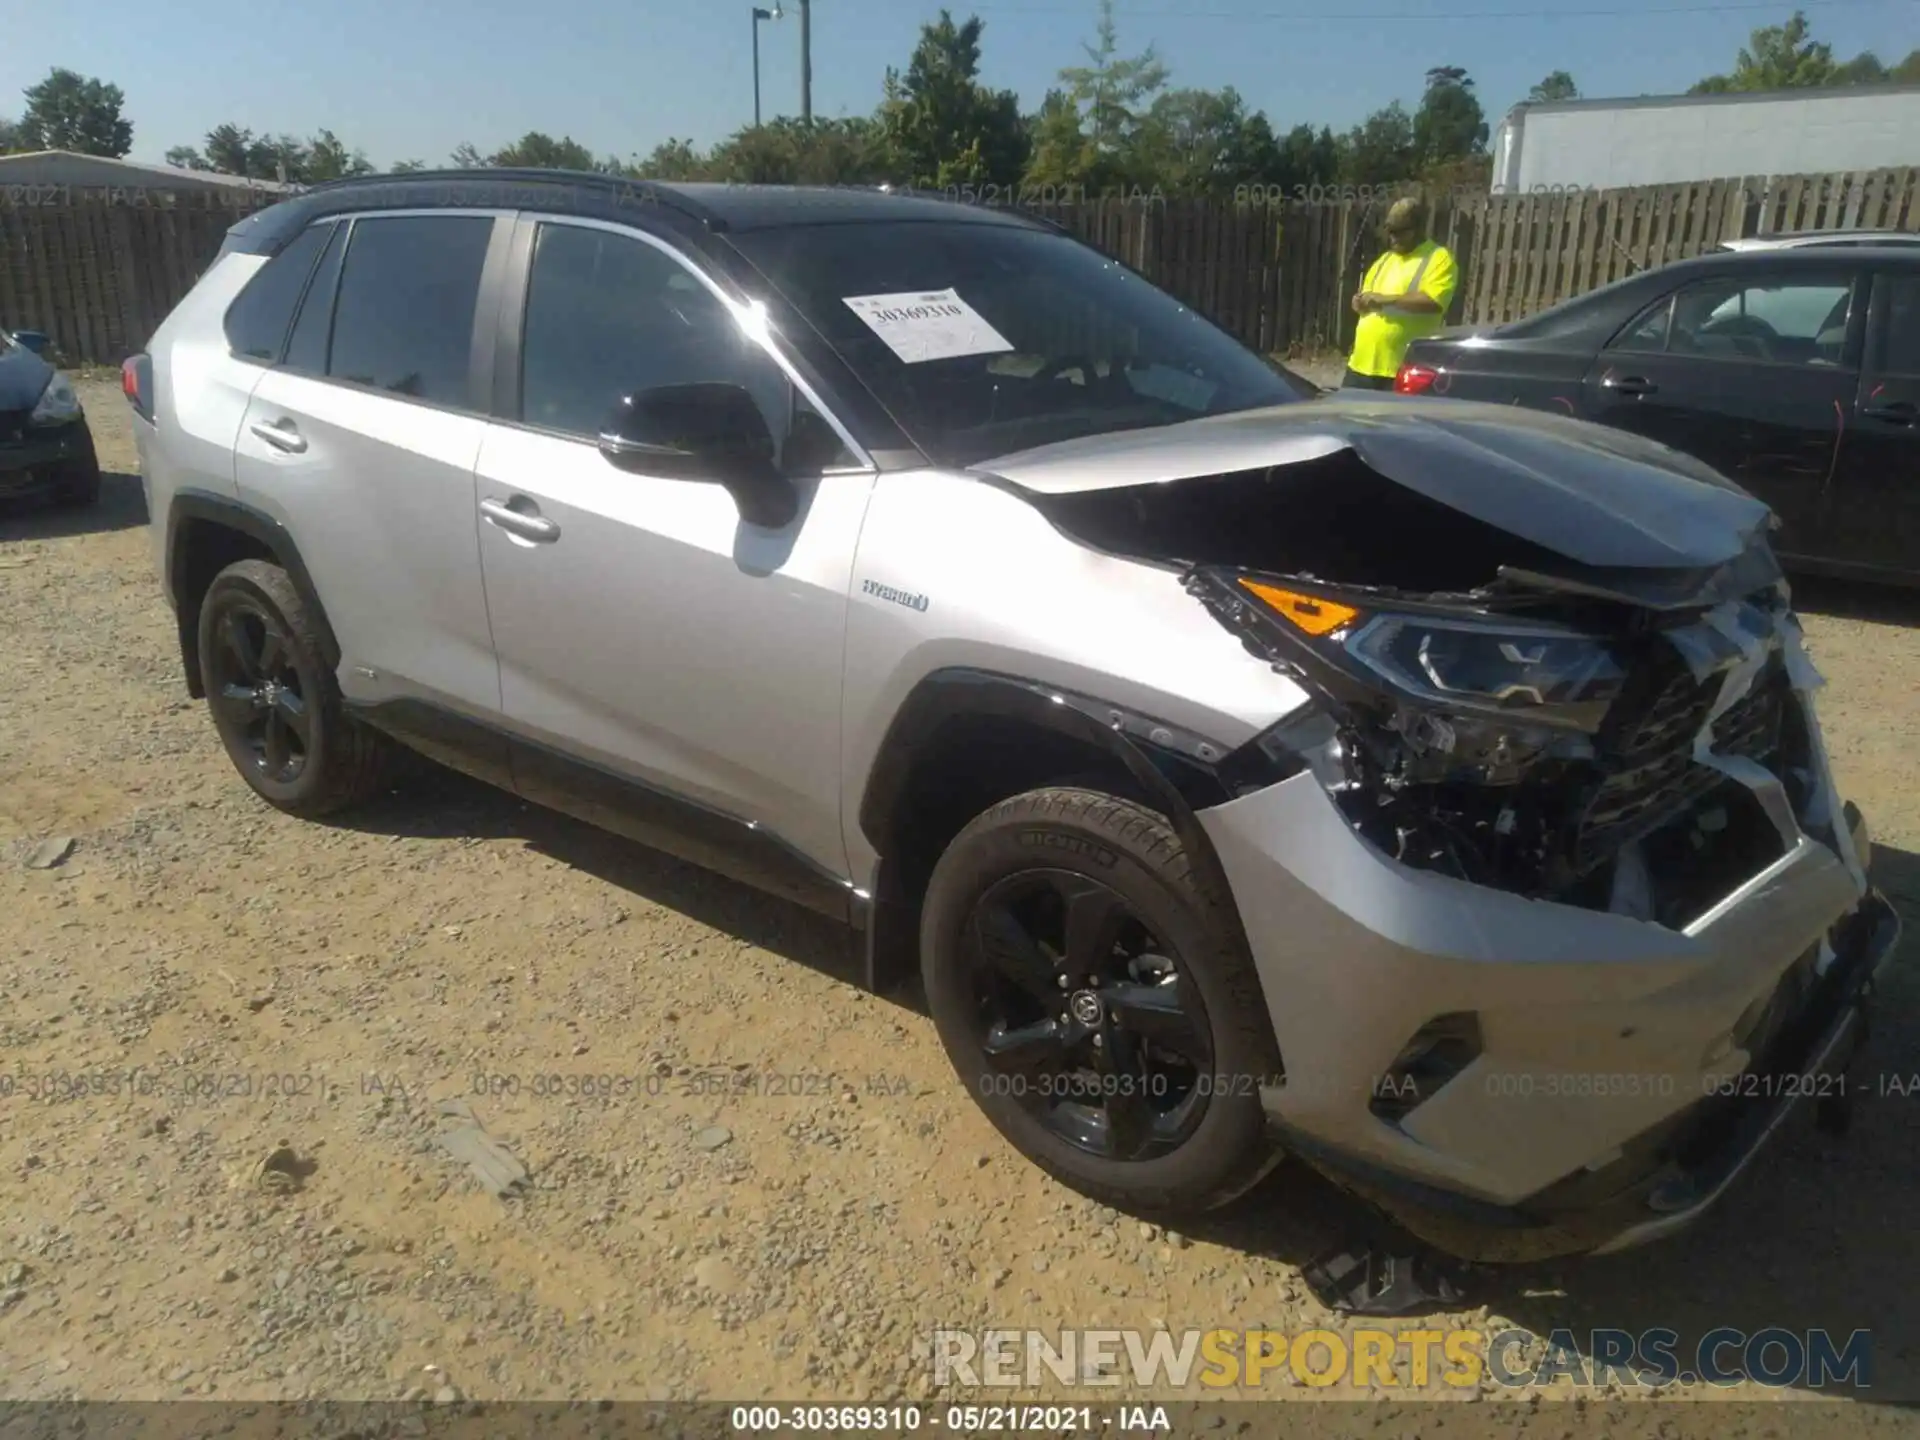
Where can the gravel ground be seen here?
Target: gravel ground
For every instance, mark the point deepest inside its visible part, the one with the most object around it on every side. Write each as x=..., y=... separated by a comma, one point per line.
x=788, y=1190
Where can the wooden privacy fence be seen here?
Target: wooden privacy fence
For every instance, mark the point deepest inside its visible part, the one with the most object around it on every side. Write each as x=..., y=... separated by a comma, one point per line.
x=99, y=271
x=98, y=274
x=1280, y=275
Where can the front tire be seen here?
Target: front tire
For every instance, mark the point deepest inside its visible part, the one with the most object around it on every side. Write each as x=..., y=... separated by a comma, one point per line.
x=1100, y=1003
x=274, y=701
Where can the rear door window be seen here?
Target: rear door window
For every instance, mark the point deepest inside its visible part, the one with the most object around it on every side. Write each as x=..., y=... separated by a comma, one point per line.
x=1798, y=319
x=403, y=322
x=257, y=321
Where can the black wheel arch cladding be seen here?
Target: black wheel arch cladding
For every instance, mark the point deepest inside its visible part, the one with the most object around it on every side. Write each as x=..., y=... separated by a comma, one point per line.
x=1170, y=768
x=205, y=533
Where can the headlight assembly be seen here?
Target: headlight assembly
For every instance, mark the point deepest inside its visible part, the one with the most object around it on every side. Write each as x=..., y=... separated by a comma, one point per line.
x=1551, y=676
x=58, y=403
x=1486, y=666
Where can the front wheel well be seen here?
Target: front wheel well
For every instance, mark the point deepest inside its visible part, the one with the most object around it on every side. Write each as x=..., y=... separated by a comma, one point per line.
x=972, y=763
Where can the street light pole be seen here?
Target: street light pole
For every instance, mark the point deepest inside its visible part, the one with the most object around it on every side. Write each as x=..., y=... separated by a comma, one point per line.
x=806, y=61
x=759, y=14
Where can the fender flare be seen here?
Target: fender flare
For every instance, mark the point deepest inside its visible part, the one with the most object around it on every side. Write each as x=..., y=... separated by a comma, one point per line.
x=256, y=525
x=1171, y=764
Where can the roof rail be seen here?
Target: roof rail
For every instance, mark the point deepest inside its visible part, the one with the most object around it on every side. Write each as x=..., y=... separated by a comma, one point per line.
x=528, y=175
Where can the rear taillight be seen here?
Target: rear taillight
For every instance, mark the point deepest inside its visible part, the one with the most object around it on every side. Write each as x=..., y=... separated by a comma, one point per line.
x=1415, y=379
x=136, y=383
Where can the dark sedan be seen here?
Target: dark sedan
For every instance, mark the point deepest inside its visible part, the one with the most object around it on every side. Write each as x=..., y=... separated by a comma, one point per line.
x=1795, y=372
x=45, y=445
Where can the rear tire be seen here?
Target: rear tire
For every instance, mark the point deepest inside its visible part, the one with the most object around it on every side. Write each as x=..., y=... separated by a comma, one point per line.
x=275, y=703
x=1195, y=1039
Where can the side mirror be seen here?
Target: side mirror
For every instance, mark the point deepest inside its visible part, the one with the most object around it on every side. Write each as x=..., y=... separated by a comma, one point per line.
x=34, y=340
x=709, y=432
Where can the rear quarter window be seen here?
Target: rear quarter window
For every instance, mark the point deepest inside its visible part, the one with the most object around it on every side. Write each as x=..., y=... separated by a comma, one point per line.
x=260, y=315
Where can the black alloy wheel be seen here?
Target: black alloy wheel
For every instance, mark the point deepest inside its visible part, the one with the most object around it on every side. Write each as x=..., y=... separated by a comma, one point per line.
x=1093, y=987
x=273, y=698
x=259, y=700
x=1084, y=1018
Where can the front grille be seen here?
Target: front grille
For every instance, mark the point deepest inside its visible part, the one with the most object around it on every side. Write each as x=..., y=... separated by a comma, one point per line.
x=1647, y=751
x=1752, y=726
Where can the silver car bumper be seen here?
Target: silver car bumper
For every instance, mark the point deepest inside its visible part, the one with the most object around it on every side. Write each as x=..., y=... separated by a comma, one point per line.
x=1604, y=1040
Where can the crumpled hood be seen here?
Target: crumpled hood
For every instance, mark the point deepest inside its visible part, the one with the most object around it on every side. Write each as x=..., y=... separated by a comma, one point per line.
x=23, y=378
x=1599, y=497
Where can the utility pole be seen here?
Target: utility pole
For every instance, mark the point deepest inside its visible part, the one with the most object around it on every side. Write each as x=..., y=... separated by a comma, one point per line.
x=806, y=61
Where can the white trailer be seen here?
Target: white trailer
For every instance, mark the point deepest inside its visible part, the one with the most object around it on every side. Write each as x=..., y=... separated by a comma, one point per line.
x=1548, y=146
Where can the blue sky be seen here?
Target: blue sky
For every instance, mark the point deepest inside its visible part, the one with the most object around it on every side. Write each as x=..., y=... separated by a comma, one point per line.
x=400, y=78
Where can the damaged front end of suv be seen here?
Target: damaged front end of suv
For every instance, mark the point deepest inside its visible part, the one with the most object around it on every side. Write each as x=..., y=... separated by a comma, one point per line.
x=1555, y=903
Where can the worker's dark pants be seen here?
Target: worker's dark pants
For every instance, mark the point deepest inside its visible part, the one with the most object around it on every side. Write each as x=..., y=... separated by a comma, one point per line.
x=1354, y=380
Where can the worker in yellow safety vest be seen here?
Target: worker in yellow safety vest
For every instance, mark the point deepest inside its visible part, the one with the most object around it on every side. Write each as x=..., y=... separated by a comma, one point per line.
x=1404, y=296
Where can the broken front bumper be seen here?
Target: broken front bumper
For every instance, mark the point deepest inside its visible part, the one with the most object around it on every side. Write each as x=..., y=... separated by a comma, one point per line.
x=1605, y=1098
x=31, y=459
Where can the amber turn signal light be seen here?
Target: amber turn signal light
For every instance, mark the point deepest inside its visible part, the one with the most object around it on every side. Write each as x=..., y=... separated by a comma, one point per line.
x=1305, y=612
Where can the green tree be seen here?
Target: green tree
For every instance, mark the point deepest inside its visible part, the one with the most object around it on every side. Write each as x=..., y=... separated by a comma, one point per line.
x=281, y=157
x=672, y=160
x=789, y=151
x=1204, y=142
x=1380, y=150
x=10, y=136
x=1864, y=69
x=1308, y=157
x=406, y=167
x=1449, y=126
x=328, y=159
x=69, y=111
x=940, y=125
x=539, y=151
x=228, y=149
x=466, y=157
x=1063, y=153
x=1557, y=86
x=1787, y=57
x=1114, y=90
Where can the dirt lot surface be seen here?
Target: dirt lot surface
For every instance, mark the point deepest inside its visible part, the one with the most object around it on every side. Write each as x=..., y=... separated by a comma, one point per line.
x=792, y=1189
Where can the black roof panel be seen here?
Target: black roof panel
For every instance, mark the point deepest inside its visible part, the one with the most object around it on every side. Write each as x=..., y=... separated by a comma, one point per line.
x=615, y=197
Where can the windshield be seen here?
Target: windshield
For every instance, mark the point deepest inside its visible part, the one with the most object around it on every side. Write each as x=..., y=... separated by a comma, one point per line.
x=982, y=340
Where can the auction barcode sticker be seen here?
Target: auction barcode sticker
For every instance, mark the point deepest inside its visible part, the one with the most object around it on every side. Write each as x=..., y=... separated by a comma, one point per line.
x=928, y=325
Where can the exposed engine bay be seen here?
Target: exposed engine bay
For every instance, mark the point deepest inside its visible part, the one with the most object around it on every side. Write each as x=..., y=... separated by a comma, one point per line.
x=1629, y=737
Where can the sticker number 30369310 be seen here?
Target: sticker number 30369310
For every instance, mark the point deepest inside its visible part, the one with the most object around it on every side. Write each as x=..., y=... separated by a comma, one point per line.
x=928, y=325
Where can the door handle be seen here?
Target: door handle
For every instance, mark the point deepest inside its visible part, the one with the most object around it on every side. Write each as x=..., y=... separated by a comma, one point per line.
x=1898, y=412
x=526, y=522
x=280, y=434
x=1629, y=385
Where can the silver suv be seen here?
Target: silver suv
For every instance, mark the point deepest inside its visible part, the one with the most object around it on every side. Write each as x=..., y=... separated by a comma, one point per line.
x=1427, y=790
